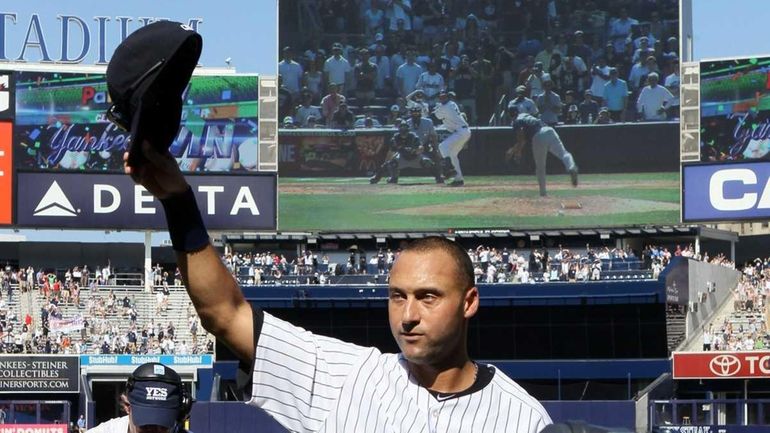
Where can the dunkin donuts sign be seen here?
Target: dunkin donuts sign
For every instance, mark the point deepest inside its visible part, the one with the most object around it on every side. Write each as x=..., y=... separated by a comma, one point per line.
x=721, y=365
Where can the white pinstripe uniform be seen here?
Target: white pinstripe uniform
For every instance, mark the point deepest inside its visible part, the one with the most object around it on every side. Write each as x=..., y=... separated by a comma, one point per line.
x=311, y=383
x=449, y=114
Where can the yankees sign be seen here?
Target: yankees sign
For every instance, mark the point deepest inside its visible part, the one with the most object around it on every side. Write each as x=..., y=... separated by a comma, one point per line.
x=108, y=201
x=721, y=365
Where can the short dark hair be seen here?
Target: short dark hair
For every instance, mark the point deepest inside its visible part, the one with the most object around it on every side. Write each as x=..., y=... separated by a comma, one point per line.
x=464, y=266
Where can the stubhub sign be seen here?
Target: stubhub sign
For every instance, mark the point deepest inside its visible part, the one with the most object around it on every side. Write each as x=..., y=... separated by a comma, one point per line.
x=110, y=201
x=726, y=192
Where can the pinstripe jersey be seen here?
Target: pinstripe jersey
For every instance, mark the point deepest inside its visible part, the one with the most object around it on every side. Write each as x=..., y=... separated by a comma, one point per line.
x=311, y=383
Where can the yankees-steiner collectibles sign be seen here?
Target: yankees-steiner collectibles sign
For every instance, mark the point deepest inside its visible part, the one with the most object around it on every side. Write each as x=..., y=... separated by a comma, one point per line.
x=721, y=365
x=32, y=373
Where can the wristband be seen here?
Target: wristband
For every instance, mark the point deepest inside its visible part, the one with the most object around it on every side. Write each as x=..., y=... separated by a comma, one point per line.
x=185, y=224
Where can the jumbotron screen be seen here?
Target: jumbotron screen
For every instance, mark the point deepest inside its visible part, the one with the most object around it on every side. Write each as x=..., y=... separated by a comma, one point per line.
x=735, y=109
x=60, y=124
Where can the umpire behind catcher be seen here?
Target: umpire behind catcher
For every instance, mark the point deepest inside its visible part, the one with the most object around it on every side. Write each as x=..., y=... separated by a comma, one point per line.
x=155, y=401
x=313, y=383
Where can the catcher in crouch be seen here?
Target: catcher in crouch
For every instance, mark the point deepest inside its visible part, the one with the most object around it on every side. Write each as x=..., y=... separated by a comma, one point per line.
x=407, y=152
x=544, y=139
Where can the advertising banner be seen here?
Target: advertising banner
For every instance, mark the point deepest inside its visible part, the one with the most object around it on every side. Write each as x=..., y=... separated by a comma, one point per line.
x=170, y=360
x=33, y=428
x=678, y=283
x=6, y=173
x=109, y=201
x=735, y=109
x=726, y=192
x=721, y=365
x=61, y=125
x=25, y=374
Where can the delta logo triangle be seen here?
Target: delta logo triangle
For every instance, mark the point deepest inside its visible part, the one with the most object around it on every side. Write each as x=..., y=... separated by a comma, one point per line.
x=55, y=203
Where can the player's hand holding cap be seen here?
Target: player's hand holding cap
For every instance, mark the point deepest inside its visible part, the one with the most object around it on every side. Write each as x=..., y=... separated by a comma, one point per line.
x=146, y=78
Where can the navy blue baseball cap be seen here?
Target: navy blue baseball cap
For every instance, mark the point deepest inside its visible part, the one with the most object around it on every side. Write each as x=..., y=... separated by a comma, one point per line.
x=155, y=402
x=146, y=78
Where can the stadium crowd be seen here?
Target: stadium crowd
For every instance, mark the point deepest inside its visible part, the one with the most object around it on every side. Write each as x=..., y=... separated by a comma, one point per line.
x=491, y=264
x=81, y=313
x=745, y=328
x=362, y=63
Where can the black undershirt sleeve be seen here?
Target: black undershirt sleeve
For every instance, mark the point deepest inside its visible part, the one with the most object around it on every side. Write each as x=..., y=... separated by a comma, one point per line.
x=246, y=368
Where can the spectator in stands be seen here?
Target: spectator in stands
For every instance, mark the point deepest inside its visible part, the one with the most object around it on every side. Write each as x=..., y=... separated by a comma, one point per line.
x=464, y=87
x=407, y=75
x=523, y=104
x=603, y=117
x=600, y=74
x=343, y=118
x=288, y=123
x=546, y=55
x=418, y=98
x=399, y=10
x=644, y=50
x=640, y=71
x=431, y=83
x=620, y=28
x=337, y=69
x=367, y=122
x=312, y=79
x=653, y=101
x=588, y=108
x=291, y=72
x=549, y=103
x=579, y=48
x=616, y=96
x=374, y=19
x=394, y=115
x=366, y=74
x=574, y=74
x=382, y=82
x=330, y=103
x=306, y=110
x=672, y=84
x=484, y=76
x=285, y=100
x=535, y=80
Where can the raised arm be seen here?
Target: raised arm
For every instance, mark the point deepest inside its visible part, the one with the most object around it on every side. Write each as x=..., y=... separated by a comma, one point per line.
x=214, y=292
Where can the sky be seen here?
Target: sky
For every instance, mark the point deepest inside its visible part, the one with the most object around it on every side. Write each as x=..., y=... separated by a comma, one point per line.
x=245, y=31
x=730, y=28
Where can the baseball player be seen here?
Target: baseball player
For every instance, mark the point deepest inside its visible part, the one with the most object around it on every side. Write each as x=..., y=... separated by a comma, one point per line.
x=544, y=139
x=449, y=114
x=312, y=383
x=155, y=401
x=423, y=127
x=407, y=153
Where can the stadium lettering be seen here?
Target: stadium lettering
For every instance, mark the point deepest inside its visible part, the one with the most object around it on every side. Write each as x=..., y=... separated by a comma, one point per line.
x=107, y=200
x=73, y=30
x=744, y=133
x=763, y=362
x=65, y=139
x=747, y=199
x=215, y=140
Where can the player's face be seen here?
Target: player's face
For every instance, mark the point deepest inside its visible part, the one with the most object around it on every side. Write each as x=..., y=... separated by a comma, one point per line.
x=428, y=308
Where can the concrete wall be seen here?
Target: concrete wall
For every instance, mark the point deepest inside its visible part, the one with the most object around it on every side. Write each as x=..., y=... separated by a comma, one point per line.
x=700, y=273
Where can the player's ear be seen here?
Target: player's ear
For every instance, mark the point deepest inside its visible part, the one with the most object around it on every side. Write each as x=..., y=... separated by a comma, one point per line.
x=125, y=406
x=471, y=302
